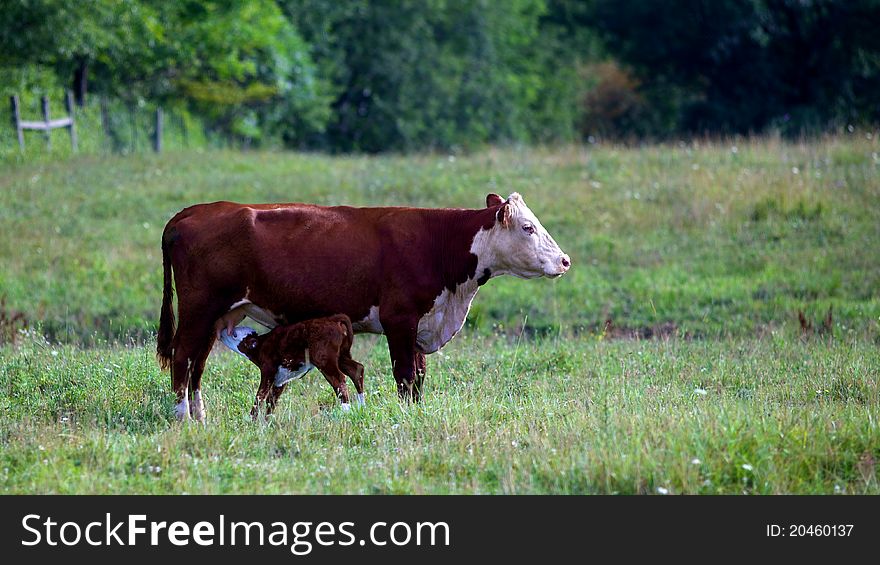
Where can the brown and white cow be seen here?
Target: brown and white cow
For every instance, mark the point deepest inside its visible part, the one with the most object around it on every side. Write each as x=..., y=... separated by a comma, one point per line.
x=410, y=273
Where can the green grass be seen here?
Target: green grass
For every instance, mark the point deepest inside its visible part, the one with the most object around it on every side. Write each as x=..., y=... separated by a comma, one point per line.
x=724, y=246
x=720, y=243
x=573, y=416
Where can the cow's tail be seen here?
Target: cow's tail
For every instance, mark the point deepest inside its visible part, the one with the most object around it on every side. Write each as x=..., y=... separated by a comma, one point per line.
x=164, y=341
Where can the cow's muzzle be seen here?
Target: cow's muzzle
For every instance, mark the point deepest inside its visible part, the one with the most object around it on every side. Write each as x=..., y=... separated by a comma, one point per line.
x=562, y=265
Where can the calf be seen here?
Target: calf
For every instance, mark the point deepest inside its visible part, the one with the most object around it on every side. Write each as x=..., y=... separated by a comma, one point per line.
x=288, y=352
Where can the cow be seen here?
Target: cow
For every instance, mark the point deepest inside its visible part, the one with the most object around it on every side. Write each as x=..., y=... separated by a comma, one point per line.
x=408, y=273
x=289, y=352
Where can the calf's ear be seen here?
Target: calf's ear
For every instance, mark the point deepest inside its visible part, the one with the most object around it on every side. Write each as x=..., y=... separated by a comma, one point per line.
x=493, y=199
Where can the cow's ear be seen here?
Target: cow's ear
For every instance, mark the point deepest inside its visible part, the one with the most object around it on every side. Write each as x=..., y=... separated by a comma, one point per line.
x=493, y=199
x=503, y=215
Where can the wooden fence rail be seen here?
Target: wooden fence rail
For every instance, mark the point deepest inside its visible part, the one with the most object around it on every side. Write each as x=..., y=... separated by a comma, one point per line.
x=111, y=132
x=123, y=125
x=48, y=124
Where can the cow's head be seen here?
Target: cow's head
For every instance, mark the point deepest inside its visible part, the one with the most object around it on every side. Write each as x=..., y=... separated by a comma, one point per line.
x=518, y=244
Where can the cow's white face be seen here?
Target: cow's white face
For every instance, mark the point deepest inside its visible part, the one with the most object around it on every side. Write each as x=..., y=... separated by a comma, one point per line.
x=519, y=245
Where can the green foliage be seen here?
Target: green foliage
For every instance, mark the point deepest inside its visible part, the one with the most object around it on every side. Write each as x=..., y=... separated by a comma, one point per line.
x=247, y=69
x=440, y=74
x=737, y=67
x=369, y=75
x=383, y=75
x=35, y=80
x=240, y=65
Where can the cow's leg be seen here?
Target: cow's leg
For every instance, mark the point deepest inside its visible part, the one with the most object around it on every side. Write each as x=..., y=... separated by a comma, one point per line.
x=193, y=342
x=421, y=372
x=197, y=403
x=355, y=371
x=180, y=369
x=402, y=346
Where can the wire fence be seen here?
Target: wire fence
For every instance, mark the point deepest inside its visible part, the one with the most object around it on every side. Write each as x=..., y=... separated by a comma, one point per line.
x=103, y=125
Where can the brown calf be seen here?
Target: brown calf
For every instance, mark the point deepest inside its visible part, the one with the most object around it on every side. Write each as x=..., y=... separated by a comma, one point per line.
x=288, y=352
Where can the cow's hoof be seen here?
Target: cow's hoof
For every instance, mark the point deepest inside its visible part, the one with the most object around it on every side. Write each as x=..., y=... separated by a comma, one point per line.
x=359, y=399
x=197, y=408
x=181, y=411
x=345, y=406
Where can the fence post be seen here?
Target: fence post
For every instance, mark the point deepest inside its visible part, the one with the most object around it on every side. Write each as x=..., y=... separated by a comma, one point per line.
x=132, y=120
x=16, y=120
x=105, y=118
x=184, y=131
x=68, y=101
x=111, y=142
x=45, y=100
x=157, y=140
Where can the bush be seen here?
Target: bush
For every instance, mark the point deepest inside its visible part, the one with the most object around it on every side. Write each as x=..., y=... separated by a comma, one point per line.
x=614, y=106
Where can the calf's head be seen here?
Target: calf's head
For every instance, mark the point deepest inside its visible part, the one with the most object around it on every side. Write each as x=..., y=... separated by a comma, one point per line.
x=243, y=340
x=250, y=346
x=518, y=244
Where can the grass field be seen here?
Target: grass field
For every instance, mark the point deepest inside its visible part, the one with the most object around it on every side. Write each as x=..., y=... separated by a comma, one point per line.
x=715, y=247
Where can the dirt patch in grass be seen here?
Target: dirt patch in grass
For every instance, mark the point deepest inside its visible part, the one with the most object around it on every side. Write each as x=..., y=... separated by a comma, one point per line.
x=10, y=322
x=808, y=329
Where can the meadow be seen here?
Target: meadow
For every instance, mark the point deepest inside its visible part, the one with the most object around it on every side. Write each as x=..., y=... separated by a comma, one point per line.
x=670, y=359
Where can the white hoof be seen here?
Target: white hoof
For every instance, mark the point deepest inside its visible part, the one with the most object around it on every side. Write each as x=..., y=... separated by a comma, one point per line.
x=360, y=399
x=197, y=409
x=346, y=406
x=181, y=410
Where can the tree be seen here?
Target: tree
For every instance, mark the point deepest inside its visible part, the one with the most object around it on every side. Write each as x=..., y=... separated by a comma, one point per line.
x=241, y=64
x=435, y=73
x=734, y=66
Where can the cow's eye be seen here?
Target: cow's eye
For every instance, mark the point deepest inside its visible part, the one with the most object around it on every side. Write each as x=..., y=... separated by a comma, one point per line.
x=529, y=229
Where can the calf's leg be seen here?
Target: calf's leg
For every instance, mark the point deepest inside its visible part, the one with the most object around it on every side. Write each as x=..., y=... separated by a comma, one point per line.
x=267, y=379
x=328, y=363
x=421, y=363
x=355, y=371
x=272, y=399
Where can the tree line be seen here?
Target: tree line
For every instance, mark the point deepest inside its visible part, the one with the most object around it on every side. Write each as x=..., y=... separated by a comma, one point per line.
x=400, y=75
